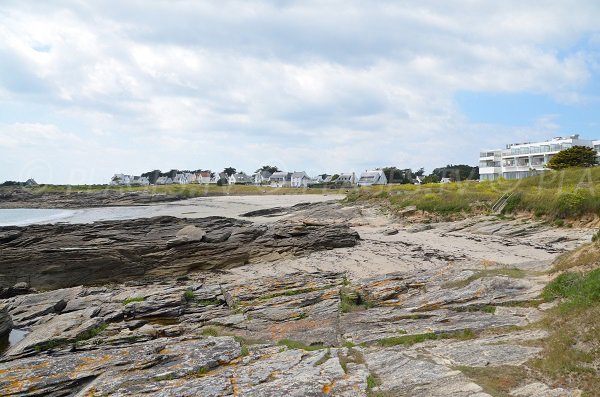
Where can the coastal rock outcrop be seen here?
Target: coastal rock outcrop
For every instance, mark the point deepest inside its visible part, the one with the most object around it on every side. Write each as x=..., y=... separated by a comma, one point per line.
x=23, y=198
x=65, y=255
x=427, y=312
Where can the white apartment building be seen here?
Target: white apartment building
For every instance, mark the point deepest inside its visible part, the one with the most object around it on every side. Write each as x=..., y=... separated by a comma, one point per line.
x=520, y=160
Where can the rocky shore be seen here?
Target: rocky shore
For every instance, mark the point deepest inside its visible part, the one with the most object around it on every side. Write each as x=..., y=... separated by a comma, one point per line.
x=76, y=199
x=299, y=307
x=65, y=255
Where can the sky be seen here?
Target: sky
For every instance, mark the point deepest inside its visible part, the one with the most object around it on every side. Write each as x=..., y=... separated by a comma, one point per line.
x=89, y=88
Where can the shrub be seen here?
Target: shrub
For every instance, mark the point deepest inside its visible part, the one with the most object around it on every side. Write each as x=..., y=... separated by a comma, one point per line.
x=568, y=204
x=512, y=203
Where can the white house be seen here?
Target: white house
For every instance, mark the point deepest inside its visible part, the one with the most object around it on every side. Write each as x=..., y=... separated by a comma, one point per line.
x=203, y=177
x=347, y=178
x=164, y=180
x=261, y=177
x=281, y=179
x=220, y=176
x=121, y=179
x=240, y=178
x=374, y=177
x=322, y=178
x=299, y=179
x=181, y=179
x=520, y=160
x=192, y=177
x=140, y=180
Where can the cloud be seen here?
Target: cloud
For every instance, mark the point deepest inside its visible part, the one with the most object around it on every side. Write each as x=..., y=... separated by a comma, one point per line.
x=323, y=86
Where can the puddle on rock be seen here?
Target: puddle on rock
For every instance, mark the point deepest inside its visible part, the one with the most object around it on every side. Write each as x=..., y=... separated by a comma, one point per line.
x=12, y=338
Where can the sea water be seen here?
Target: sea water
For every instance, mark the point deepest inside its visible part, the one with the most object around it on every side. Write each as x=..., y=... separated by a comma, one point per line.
x=27, y=216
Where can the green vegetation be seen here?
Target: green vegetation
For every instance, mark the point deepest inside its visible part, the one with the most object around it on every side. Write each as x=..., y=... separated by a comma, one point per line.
x=579, y=290
x=291, y=292
x=164, y=377
x=577, y=156
x=183, y=191
x=351, y=301
x=564, y=194
x=243, y=345
x=208, y=302
x=586, y=256
x=512, y=272
x=209, y=331
x=292, y=344
x=371, y=382
x=188, y=295
x=574, y=343
x=489, y=309
x=409, y=340
x=495, y=381
x=91, y=333
x=134, y=299
x=59, y=343
x=323, y=359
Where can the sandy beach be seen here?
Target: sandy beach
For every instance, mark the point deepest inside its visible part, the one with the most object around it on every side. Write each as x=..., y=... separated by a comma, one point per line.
x=227, y=206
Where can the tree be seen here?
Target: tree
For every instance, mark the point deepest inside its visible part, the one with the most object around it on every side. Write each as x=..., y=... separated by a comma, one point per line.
x=460, y=172
x=577, y=156
x=152, y=176
x=230, y=171
x=397, y=175
x=270, y=168
x=431, y=179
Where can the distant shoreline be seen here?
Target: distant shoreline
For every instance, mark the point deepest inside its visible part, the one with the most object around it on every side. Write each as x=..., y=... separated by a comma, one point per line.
x=94, y=196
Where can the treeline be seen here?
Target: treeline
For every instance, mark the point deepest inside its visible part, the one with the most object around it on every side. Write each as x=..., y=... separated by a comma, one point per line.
x=455, y=173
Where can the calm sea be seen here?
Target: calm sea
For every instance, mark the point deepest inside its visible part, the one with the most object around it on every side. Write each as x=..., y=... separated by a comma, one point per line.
x=26, y=216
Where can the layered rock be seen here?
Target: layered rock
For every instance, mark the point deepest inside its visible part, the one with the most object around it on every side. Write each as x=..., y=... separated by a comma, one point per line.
x=5, y=321
x=76, y=199
x=271, y=329
x=56, y=256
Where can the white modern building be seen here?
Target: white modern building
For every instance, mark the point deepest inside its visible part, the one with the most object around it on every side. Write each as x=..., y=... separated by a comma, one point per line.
x=520, y=160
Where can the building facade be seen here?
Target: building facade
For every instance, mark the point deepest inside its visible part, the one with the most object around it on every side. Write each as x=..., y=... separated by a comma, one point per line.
x=374, y=177
x=520, y=160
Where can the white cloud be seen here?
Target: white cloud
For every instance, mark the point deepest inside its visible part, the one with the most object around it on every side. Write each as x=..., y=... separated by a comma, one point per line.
x=341, y=85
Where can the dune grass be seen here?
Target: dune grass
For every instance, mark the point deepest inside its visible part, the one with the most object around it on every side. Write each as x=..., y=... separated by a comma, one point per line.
x=572, y=350
x=554, y=195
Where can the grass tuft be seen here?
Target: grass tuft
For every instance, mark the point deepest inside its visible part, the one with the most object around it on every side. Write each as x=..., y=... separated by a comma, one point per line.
x=409, y=340
x=134, y=299
x=292, y=344
x=209, y=331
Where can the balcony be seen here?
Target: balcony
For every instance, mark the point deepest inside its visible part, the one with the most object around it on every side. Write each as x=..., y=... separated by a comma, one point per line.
x=490, y=170
x=513, y=168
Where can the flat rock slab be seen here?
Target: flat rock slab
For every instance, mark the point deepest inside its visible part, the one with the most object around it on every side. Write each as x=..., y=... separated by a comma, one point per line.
x=58, y=256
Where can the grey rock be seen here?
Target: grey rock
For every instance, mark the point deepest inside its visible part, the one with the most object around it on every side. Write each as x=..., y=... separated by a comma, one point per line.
x=58, y=256
x=537, y=389
x=6, y=323
x=402, y=374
